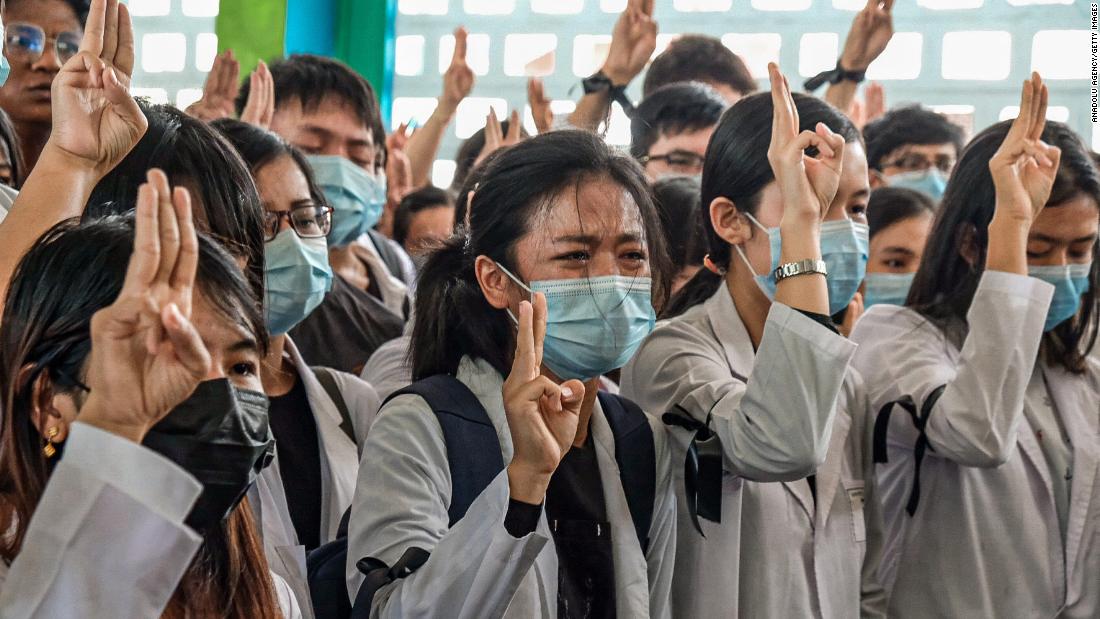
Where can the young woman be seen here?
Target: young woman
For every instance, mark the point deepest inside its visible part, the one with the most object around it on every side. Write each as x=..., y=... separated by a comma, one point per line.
x=752, y=374
x=899, y=220
x=97, y=356
x=565, y=222
x=990, y=353
x=317, y=461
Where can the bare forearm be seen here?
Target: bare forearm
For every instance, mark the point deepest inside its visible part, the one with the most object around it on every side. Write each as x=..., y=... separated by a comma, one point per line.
x=591, y=110
x=57, y=189
x=1007, y=245
x=841, y=95
x=423, y=145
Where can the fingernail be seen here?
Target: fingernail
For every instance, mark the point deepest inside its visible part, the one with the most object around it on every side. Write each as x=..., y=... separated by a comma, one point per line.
x=174, y=315
x=566, y=392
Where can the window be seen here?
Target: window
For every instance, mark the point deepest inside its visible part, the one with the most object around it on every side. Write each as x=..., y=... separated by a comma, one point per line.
x=163, y=52
x=977, y=55
x=817, y=52
x=901, y=60
x=757, y=50
x=529, y=54
x=409, y=55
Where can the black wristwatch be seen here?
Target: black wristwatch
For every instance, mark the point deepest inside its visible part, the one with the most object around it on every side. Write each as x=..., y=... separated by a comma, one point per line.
x=834, y=76
x=599, y=82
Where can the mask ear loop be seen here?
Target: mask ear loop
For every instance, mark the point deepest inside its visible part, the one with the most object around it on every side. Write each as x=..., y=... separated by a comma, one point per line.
x=530, y=293
x=741, y=250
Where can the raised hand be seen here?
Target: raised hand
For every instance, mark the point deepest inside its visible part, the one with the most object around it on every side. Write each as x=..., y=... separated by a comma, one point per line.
x=1024, y=167
x=871, y=31
x=807, y=184
x=632, y=42
x=540, y=105
x=219, y=92
x=260, y=107
x=495, y=138
x=542, y=415
x=146, y=355
x=458, y=81
x=852, y=316
x=95, y=121
x=399, y=178
x=874, y=107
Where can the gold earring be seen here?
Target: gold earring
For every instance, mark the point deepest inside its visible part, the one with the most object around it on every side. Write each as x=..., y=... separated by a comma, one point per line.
x=49, y=450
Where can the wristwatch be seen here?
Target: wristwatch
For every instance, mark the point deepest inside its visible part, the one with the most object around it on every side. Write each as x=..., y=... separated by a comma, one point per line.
x=802, y=267
x=599, y=82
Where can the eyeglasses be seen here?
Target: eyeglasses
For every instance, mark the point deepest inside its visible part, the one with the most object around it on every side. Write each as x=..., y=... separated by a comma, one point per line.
x=680, y=161
x=27, y=43
x=309, y=221
x=915, y=162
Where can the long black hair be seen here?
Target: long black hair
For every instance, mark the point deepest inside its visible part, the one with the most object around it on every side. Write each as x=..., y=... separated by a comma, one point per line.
x=453, y=319
x=227, y=205
x=946, y=281
x=889, y=205
x=737, y=168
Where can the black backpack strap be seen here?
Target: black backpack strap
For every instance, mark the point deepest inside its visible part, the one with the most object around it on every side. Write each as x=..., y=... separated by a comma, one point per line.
x=327, y=378
x=702, y=468
x=473, y=449
x=636, y=457
x=920, y=422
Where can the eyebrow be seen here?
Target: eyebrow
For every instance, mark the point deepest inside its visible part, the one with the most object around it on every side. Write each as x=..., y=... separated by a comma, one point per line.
x=246, y=345
x=899, y=250
x=591, y=239
x=1047, y=239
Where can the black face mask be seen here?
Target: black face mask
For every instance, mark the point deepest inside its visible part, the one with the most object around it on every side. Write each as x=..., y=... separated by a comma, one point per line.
x=222, y=437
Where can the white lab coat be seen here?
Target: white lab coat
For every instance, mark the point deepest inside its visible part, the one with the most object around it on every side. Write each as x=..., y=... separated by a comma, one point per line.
x=7, y=198
x=985, y=540
x=477, y=569
x=773, y=554
x=339, y=467
x=389, y=368
x=395, y=292
x=107, y=538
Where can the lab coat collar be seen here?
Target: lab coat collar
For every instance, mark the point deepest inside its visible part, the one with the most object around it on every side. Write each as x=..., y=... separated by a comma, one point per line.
x=729, y=330
x=394, y=291
x=1077, y=401
x=339, y=455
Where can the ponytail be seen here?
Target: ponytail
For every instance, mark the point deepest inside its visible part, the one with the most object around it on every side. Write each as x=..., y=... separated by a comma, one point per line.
x=698, y=289
x=453, y=319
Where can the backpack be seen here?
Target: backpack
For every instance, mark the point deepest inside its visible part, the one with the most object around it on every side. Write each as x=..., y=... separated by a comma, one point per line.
x=920, y=421
x=468, y=432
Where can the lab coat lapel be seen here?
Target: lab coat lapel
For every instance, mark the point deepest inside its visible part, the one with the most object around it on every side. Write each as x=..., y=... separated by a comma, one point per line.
x=1079, y=407
x=631, y=572
x=829, y=475
x=740, y=355
x=339, y=456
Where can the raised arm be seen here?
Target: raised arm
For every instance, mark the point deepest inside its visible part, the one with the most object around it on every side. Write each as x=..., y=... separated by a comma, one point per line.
x=95, y=124
x=424, y=143
x=871, y=32
x=632, y=43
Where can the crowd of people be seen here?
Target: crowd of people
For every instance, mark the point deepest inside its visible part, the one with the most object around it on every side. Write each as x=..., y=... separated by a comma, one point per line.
x=787, y=356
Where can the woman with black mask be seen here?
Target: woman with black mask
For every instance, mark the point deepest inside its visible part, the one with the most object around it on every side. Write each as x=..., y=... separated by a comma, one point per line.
x=97, y=356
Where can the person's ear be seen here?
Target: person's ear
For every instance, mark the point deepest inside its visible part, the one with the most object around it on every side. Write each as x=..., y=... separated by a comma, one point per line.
x=877, y=178
x=494, y=282
x=45, y=414
x=729, y=223
x=968, y=245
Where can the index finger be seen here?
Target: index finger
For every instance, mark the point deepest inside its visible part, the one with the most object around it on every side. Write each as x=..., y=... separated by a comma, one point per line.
x=539, y=335
x=145, y=257
x=460, y=45
x=523, y=364
x=124, y=54
x=647, y=7
x=93, y=28
x=1039, y=123
x=183, y=276
x=110, y=31
x=780, y=115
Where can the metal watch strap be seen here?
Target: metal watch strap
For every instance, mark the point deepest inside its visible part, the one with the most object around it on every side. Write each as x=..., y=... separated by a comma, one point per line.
x=802, y=267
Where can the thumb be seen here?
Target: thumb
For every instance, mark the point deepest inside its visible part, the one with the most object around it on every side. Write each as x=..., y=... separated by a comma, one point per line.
x=572, y=396
x=185, y=339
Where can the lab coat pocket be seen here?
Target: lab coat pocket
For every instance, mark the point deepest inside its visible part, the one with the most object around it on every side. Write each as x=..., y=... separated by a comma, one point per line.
x=854, y=490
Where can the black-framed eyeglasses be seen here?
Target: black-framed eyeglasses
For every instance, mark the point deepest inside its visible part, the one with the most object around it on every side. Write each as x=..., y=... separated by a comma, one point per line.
x=681, y=161
x=27, y=43
x=309, y=221
x=915, y=162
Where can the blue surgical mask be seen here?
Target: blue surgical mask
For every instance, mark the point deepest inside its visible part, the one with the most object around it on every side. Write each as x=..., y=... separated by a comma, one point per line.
x=593, y=325
x=1070, y=282
x=356, y=196
x=5, y=68
x=844, y=248
x=888, y=288
x=297, y=276
x=931, y=182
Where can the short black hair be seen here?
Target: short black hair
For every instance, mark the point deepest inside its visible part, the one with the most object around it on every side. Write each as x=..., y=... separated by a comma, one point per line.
x=80, y=8
x=427, y=197
x=911, y=124
x=672, y=110
x=889, y=205
x=259, y=147
x=677, y=199
x=311, y=79
x=699, y=58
